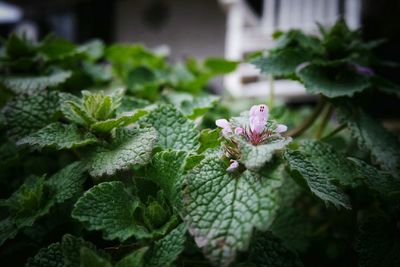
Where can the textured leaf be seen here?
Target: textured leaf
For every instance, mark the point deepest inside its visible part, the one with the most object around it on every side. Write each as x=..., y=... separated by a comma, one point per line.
x=110, y=208
x=378, y=244
x=71, y=249
x=58, y=136
x=166, y=250
x=67, y=182
x=29, y=202
x=47, y=257
x=121, y=121
x=8, y=230
x=282, y=62
x=192, y=106
x=36, y=197
x=27, y=114
x=135, y=259
x=268, y=251
x=332, y=81
x=372, y=136
x=129, y=147
x=174, y=130
x=330, y=163
x=292, y=228
x=167, y=171
x=222, y=209
x=33, y=84
x=255, y=157
x=382, y=182
x=317, y=181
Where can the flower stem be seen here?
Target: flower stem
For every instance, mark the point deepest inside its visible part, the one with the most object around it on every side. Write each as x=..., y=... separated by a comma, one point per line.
x=338, y=129
x=325, y=119
x=310, y=120
x=271, y=91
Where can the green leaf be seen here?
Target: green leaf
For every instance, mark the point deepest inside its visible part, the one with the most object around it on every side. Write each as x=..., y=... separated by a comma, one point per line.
x=222, y=209
x=332, y=80
x=50, y=256
x=269, y=251
x=220, y=65
x=27, y=114
x=121, y=121
x=166, y=250
x=36, y=197
x=192, y=106
x=282, y=62
x=378, y=244
x=29, y=202
x=93, y=49
x=329, y=162
x=209, y=138
x=71, y=247
x=89, y=258
x=293, y=228
x=58, y=136
x=110, y=208
x=382, y=182
x=33, y=84
x=8, y=230
x=17, y=47
x=174, y=130
x=67, y=182
x=167, y=171
x=135, y=259
x=129, y=147
x=255, y=157
x=372, y=136
x=317, y=181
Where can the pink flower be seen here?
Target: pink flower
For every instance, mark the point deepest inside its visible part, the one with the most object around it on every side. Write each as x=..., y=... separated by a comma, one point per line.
x=224, y=124
x=281, y=128
x=258, y=118
x=239, y=131
x=233, y=166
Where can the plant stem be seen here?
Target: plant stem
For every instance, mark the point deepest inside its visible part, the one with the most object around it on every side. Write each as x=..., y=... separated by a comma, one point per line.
x=325, y=119
x=271, y=91
x=310, y=120
x=338, y=129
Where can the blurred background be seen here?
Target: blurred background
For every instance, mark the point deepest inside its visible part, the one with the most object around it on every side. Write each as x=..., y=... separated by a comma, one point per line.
x=232, y=29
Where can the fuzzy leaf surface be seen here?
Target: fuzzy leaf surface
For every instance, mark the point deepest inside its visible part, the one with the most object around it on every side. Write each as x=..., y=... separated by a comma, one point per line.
x=33, y=84
x=255, y=157
x=372, y=136
x=317, y=181
x=166, y=250
x=121, y=121
x=129, y=147
x=108, y=207
x=58, y=136
x=332, y=81
x=27, y=114
x=174, y=130
x=223, y=209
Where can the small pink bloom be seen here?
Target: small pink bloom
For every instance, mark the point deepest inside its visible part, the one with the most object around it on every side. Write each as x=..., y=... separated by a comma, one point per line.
x=258, y=118
x=224, y=124
x=281, y=128
x=239, y=131
x=233, y=166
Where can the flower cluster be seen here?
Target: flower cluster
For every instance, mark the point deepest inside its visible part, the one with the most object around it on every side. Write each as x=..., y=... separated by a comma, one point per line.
x=255, y=130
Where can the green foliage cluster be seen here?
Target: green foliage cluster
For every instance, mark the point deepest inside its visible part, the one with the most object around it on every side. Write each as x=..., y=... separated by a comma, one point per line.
x=105, y=162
